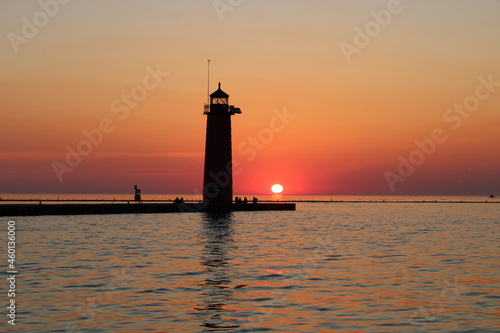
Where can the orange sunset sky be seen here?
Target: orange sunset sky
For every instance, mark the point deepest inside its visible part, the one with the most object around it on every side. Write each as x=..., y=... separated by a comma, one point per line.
x=334, y=95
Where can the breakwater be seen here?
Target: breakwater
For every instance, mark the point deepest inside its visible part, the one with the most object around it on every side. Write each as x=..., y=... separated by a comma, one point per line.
x=34, y=209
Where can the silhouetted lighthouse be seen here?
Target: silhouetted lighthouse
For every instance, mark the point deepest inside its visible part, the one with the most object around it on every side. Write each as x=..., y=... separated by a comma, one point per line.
x=218, y=174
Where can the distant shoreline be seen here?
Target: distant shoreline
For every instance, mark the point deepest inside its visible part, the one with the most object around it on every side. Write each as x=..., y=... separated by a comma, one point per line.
x=52, y=201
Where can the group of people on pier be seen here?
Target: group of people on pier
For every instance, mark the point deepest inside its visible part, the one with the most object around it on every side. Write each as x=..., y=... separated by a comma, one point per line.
x=245, y=200
x=137, y=198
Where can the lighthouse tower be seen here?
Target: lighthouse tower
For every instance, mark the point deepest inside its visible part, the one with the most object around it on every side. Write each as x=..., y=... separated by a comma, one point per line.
x=218, y=173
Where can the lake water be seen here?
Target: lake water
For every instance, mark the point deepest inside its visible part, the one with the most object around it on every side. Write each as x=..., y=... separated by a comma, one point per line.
x=327, y=267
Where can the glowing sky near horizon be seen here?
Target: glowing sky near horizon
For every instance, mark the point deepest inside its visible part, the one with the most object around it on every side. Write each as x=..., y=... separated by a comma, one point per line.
x=314, y=120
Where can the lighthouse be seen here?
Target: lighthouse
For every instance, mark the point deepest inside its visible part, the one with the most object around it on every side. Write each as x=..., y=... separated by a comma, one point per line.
x=218, y=172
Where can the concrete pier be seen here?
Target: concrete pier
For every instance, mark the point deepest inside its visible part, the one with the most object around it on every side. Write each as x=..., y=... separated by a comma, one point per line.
x=133, y=208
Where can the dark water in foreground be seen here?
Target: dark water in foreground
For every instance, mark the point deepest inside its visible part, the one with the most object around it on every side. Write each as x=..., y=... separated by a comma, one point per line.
x=327, y=267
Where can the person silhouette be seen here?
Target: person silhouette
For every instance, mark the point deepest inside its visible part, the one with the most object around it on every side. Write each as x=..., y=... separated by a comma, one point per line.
x=245, y=200
x=137, y=195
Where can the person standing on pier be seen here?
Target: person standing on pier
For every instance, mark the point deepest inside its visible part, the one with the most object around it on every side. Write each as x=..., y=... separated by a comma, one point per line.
x=137, y=195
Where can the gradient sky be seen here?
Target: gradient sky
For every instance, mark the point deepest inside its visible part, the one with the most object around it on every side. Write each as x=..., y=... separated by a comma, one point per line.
x=352, y=122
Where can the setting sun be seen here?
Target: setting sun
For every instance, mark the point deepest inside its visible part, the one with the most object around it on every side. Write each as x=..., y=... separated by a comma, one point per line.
x=277, y=188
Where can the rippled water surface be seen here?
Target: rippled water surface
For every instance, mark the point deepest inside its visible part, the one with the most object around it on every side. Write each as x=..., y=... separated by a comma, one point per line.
x=327, y=267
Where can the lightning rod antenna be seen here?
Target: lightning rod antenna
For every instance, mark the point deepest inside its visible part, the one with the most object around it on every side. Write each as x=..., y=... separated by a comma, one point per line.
x=208, y=85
